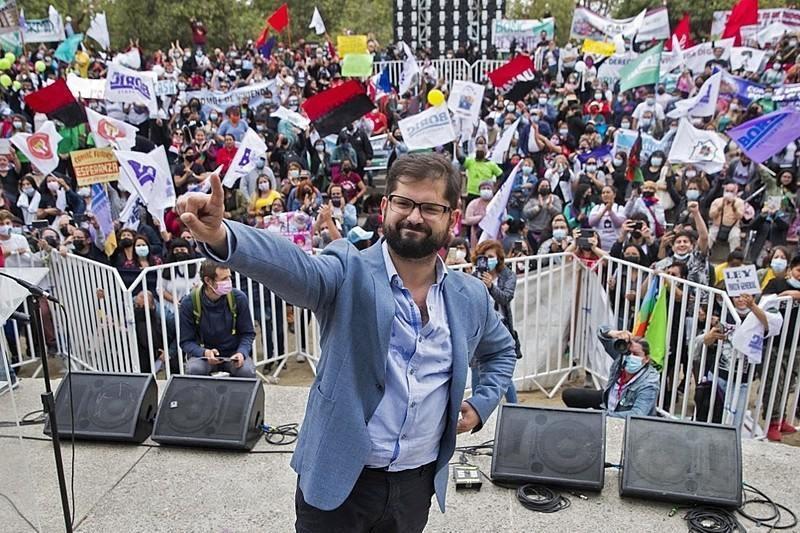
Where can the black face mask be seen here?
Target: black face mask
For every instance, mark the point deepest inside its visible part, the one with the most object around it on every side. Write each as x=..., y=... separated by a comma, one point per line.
x=648, y=194
x=64, y=231
x=51, y=241
x=181, y=257
x=336, y=202
x=632, y=258
x=79, y=244
x=544, y=191
x=126, y=242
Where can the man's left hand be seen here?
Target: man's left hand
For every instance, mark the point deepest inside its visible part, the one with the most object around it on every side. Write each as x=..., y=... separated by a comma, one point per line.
x=469, y=418
x=238, y=360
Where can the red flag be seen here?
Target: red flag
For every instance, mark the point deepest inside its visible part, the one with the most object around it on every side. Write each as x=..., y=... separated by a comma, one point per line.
x=262, y=39
x=743, y=13
x=57, y=101
x=518, y=69
x=683, y=32
x=279, y=19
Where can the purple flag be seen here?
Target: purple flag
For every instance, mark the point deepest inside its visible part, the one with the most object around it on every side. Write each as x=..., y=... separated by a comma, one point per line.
x=763, y=137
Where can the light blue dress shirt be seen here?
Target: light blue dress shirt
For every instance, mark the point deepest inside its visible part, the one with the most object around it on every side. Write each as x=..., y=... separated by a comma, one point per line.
x=408, y=424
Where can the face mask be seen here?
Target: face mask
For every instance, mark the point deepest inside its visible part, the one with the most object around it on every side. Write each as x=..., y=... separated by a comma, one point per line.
x=650, y=101
x=656, y=161
x=776, y=66
x=263, y=186
x=681, y=257
x=591, y=168
x=142, y=250
x=509, y=108
x=28, y=190
x=559, y=234
x=527, y=169
x=563, y=132
x=542, y=100
x=486, y=194
x=84, y=192
x=181, y=256
x=480, y=154
x=53, y=186
x=632, y=258
x=320, y=148
x=691, y=173
x=79, y=244
x=17, y=124
x=625, y=125
x=294, y=174
x=5, y=230
x=126, y=242
x=795, y=283
x=617, y=162
x=598, y=96
x=181, y=86
x=645, y=124
x=648, y=194
x=223, y=287
x=692, y=195
x=633, y=363
x=778, y=264
x=491, y=263
x=729, y=195
x=544, y=191
x=213, y=116
x=461, y=255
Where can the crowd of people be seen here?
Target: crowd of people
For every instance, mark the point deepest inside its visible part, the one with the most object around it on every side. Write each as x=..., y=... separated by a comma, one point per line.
x=573, y=193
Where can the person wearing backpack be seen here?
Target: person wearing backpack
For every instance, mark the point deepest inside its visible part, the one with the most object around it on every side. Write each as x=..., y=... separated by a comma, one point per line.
x=217, y=330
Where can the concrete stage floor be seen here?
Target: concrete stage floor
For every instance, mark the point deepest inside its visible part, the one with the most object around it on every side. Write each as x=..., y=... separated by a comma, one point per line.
x=121, y=488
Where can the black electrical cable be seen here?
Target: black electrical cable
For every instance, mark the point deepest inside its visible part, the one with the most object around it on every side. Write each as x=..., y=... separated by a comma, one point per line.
x=16, y=509
x=25, y=420
x=541, y=499
x=282, y=435
x=765, y=500
x=712, y=520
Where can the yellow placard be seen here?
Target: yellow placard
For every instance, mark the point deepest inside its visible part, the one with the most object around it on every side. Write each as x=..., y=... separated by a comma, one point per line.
x=598, y=48
x=351, y=44
x=94, y=165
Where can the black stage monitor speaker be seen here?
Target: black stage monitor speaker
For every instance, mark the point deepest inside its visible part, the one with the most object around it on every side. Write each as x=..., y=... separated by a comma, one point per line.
x=211, y=412
x=564, y=447
x=111, y=407
x=684, y=462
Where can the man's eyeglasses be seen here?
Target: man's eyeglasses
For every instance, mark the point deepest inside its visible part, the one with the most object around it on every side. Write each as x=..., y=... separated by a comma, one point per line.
x=404, y=206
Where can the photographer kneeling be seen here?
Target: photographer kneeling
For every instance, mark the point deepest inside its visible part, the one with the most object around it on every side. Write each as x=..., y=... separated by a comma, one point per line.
x=632, y=387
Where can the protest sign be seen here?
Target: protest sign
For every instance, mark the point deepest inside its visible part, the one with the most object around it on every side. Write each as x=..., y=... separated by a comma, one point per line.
x=428, y=129
x=357, y=65
x=131, y=86
x=598, y=48
x=351, y=44
x=9, y=17
x=766, y=17
x=94, y=165
x=697, y=56
x=166, y=87
x=465, y=100
x=526, y=32
x=741, y=280
x=587, y=24
x=220, y=101
x=624, y=140
x=295, y=226
x=749, y=59
x=86, y=88
x=609, y=71
x=49, y=30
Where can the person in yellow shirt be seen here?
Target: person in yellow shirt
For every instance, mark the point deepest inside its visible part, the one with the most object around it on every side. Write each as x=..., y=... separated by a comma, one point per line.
x=82, y=61
x=734, y=259
x=262, y=199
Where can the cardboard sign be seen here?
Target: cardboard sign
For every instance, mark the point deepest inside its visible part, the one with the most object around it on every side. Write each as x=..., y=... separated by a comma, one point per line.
x=351, y=44
x=741, y=280
x=95, y=165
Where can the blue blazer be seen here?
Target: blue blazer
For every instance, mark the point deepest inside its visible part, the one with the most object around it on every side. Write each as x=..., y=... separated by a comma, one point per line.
x=349, y=293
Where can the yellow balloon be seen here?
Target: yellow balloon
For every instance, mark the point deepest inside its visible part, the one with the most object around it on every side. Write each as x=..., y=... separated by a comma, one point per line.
x=5, y=80
x=435, y=97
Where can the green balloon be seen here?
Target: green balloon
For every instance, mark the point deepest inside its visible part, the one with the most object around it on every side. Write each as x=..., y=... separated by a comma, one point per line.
x=16, y=85
x=11, y=57
x=40, y=66
x=5, y=64
x=5, y=80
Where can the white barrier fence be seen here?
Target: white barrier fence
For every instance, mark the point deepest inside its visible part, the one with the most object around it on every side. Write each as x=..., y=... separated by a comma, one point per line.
x=558, y=307
x=446, y=69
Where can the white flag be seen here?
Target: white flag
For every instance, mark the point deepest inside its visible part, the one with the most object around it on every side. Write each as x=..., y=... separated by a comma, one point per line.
x=749, y=59
x=131, y=86
x=633, y=27
x=495, y=211
x=703, y=104
x=428, y=129
x=250, y=149
x=701, y=148
x=500, y=149
x=163, y=193
x=292, y=116
x=109, y=131
x=40, y=147
x=316, y=22
x=147, y=175
x=672, y=60
x=410, y=71
x=98, y=30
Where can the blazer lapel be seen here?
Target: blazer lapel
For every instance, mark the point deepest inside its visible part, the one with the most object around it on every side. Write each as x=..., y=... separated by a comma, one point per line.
x=457, y=304
x=384, y=302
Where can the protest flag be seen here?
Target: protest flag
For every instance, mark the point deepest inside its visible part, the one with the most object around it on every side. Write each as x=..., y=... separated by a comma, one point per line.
x=108, y=131
x=517, y=71
x=633, y=172
x=744, y=13
x=41, y=148
x=656, y=333
x=333, y=109
x=428, y=129
x=250, y=150
x=702, y=148
x=101, y=209
x=646, y=310
x=279, y=19
x=765, y=136
x=67, y=49
x=410, y=74
x=317, y=24
x=644, y=70
x=496, y=210
x=58, y=103
x=266, y=49
x=98, y=30
x=683, y=32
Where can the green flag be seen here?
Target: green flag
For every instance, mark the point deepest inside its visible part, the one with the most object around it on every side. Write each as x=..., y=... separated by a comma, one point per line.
x=644, y=70
x=357, y=65
x=67, y=49
x=657, y=329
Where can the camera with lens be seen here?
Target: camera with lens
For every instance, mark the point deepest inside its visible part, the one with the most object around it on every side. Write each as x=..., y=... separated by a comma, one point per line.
x=621, y=346
x=636, y=229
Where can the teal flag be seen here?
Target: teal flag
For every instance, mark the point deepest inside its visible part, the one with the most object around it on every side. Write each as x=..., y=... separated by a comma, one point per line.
x=12, y=42
x=66, y=50
x=644, y=70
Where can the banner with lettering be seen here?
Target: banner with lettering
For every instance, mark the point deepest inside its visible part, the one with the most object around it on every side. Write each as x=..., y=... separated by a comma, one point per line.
x=526, y=32
x=428, y=129
x=9, y=17
x=220, y=101
x=766, y=17
x=49, y=30
x=587, y=24
x=131, y=86
x=94, y=165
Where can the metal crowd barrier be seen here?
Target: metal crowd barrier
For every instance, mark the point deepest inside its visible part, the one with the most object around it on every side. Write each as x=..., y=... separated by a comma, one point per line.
x=447, y=69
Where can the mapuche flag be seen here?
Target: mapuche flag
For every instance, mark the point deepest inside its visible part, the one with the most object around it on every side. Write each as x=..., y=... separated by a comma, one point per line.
x=58, y=103
x=335, y=108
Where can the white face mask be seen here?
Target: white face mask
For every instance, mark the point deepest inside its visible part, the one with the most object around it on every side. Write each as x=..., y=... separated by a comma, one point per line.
x=778, y=264
x=263, y=186
x=625, y=125
x=559, y=234
x=729, y=195
x=461, y=255
x=486, y=194
x=692, y=195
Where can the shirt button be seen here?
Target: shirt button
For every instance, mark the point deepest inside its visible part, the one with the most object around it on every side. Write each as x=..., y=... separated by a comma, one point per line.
x=412, y=371
x=379, y=386
x=413, y=404
x=404, y=436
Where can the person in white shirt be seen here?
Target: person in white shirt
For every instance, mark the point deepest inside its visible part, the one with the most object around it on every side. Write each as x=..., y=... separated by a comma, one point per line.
x=649, y=104
x=16, y=251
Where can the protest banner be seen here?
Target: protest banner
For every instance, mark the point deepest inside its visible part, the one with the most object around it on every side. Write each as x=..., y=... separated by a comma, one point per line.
x=526, y=32
x=131, y=86
x=587, y=24
x=624, y=140
x=765, y=136
x=428, y=129
x=220, y=101
x=94, y=165
x=734, y=87
x=786, y=93
x=86, y=88
x=49, y=30
x=294, y=226
x=166, y=87
x=749, y=59
x=741, y=280
x=697, y=56
x=766, y=17
x=9, y=17
x=351, y=44
x=598, y=48
x=609, y=71
x=465, y=100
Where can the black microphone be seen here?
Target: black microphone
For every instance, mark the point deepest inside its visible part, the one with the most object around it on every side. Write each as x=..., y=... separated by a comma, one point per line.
x=33, y=289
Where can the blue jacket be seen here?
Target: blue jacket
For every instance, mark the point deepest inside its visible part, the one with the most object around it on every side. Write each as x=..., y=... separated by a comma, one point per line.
x=216, y=326
x=640, y=396
x=349, y=293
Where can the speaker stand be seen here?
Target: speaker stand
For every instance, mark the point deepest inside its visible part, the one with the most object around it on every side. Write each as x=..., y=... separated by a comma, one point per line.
x=49, y=404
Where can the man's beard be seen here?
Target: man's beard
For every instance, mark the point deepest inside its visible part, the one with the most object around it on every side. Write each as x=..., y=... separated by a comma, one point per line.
x=414, y=247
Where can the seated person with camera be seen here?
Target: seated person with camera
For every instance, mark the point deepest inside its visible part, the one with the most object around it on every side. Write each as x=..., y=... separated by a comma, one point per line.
x=217, y=330
x=586, y=246
x=633, y=383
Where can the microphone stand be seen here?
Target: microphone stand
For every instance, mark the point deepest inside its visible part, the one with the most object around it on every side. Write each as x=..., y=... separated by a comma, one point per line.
x=48, y=401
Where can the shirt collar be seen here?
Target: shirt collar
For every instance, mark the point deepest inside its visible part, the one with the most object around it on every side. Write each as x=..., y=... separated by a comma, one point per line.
x=391, y=271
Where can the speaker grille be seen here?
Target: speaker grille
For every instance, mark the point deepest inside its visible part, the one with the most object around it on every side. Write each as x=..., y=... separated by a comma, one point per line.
x=552, y=446
x=682, y=461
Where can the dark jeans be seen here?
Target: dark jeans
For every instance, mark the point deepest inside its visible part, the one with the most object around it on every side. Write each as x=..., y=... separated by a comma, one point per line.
x=380, y=502
x=582, y=398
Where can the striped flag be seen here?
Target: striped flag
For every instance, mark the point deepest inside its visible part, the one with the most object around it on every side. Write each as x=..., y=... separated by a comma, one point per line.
x=101, y=209
x=651, y=322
